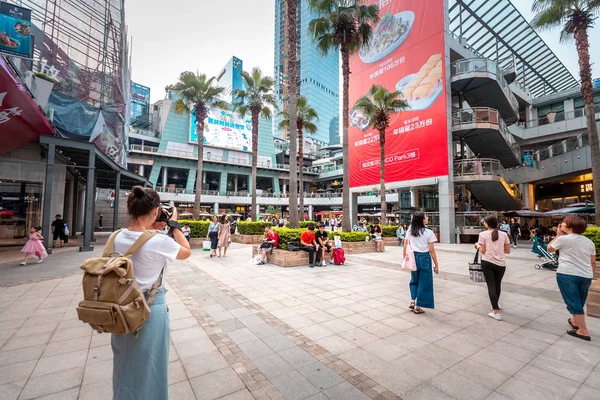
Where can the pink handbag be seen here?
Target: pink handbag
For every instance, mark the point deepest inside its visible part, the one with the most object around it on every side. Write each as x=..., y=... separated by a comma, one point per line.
x=409, y=264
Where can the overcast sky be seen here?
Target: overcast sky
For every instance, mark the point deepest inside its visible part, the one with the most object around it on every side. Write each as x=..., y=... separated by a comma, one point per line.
x=204, y=34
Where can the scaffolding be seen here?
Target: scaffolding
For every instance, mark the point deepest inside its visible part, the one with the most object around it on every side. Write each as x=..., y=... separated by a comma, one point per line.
x=83, y=45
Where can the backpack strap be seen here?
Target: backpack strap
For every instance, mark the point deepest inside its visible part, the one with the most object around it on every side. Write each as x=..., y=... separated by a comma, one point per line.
x=110, y=244
x=147, y=235
x=155, y=286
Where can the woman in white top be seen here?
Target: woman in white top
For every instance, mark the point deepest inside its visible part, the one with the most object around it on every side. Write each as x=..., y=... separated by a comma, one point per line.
x=140, y=364
x=576, y=263
x=493, y=244
x=421, y=240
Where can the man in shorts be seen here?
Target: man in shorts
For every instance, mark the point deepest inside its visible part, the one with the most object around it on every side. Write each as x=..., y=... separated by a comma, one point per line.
x=58, y=231
x=322, y=238
x=270, y=242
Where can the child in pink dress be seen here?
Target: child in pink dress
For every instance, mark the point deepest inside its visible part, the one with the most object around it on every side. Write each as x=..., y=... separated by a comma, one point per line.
x=34, y=246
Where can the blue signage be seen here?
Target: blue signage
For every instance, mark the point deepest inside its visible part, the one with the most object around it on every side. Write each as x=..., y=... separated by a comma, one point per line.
x=15, y=31
x=528, y=158
x=140, y=93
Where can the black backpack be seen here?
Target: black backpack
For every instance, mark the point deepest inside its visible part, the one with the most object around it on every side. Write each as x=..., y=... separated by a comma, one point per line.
x=292, y=246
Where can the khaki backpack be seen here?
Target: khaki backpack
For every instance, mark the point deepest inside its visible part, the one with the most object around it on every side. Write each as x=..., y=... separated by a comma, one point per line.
x=113, y=300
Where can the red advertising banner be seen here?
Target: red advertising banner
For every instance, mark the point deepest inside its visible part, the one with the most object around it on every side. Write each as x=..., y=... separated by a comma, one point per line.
x=406, y=53
x=21, y=120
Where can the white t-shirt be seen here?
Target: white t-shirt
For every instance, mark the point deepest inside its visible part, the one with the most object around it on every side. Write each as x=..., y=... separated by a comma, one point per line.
x=420, y=243
x=575, y=256
x=494, y=251
x=150, y=259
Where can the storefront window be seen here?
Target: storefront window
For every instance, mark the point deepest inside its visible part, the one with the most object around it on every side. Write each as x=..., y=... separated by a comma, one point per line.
x=20, y=208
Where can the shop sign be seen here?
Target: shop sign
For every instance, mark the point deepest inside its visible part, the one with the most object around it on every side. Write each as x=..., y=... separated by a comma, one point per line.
x=15, y=31
x=587, y=188
x=407, y=53
x=528, y=158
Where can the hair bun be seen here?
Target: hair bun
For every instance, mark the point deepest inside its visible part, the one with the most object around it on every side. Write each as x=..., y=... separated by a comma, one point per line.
x=138, y=191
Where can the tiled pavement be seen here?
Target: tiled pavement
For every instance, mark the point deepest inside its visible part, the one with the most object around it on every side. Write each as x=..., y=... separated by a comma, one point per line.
x=343, y=332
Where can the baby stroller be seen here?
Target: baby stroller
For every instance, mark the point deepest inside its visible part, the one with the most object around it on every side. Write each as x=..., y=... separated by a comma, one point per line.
x=550, y=261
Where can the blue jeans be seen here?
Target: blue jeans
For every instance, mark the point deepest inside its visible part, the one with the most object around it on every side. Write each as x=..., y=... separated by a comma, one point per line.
x=574, y=290
x=421, y=281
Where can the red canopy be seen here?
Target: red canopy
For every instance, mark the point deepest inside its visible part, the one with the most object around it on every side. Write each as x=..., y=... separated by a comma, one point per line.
x=21, y=120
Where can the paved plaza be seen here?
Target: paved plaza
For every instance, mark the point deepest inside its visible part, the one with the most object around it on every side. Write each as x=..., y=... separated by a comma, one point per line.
x=241, y=331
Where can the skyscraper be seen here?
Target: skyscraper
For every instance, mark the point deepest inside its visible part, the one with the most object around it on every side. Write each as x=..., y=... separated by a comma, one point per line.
x=230, y=78
x=318, y=75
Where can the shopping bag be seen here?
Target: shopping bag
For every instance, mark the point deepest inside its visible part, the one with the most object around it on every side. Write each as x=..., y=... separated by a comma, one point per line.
x=206, y=245
x=475, y=270
x=337, y=241
x=409, y=264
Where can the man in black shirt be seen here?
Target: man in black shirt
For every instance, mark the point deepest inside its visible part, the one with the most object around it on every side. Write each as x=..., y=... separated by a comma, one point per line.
x=322, y=238
x=515, y=231
x=58, y=230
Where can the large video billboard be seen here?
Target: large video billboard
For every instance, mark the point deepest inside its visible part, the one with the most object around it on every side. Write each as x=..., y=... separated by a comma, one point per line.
x=407, y=53
x=223, y=128
x=15, y=31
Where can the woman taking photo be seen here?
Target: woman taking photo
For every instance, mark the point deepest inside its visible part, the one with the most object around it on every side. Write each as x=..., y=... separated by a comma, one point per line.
x=421, y=240
x=576, y=262
x=140, y=364
x=224, y=235
x=213, y=235
x=493, y=244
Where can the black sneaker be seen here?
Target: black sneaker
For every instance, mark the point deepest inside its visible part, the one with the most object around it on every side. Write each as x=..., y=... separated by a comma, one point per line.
x=311, y=265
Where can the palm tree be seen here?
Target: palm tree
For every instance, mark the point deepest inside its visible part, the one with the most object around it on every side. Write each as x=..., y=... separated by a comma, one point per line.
x=197, y=95
x=256, y=98
x=304, y=122
x=344, y=25
x=378, y=104
x=574, y=17
x=291, y=10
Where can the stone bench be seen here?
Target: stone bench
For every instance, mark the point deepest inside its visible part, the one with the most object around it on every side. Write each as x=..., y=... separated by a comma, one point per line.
x=285, y=258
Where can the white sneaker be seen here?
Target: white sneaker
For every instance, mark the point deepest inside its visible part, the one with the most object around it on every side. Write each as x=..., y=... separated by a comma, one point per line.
x=23, y=263
x=40, y=261
x=324, y=263
x=515, y=247
x=497, y=317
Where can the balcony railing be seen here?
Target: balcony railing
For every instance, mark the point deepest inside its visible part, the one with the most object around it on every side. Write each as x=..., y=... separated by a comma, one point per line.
x=559, y=148
x=486, y=166
x=245, y=193
x=559, y=117
x=470, y=65
x=484, y=115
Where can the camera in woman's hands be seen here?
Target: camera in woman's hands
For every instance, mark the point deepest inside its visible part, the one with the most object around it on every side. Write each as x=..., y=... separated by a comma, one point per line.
x=165, y=213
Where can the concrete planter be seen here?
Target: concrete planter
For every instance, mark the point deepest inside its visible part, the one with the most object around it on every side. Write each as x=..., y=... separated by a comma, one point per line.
x=593, y=300
x=247, y=239
x=42, y=92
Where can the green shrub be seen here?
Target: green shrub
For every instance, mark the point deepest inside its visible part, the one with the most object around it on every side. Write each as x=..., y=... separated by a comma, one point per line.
x=352, y=236
x=199, y=228
x=593, y=233
x=389, y=231
x=288, y=235
x=304, y=224
x=252, y=228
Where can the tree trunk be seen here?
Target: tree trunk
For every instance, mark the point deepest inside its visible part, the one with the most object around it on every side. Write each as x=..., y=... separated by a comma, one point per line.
x=346, y=223
x=301, y=172
x=200, y=117
x=254, y=209
x=292, y=112
x=585, y=72
x=382, y=176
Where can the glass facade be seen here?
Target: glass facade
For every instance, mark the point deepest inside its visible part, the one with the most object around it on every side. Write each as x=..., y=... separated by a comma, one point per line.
x=318, y=75
x=231, y=79
x=20, y=208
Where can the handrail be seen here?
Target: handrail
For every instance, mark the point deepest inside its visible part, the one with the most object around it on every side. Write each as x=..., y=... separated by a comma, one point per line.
x=480, y=64
x=559, y=117
x=569, y=144
x=487, y=166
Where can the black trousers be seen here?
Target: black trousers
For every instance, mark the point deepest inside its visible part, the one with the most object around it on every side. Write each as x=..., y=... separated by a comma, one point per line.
x=514, y=238
x=493, y=277
x=311, y=253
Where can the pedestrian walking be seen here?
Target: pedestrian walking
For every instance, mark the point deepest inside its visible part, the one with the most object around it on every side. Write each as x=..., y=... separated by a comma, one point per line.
x=493, y=244
x=505, y=227
x=213, y=235
x=100, y=219
x=515, y=231
x=141, y=361
x=576, y=263
x=421, y=240
x=34, y=246
x=58, y=230
x=224, y=236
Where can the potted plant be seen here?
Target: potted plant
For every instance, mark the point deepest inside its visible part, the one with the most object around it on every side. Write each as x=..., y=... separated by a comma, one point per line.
x=551, y=115
x=44, y=85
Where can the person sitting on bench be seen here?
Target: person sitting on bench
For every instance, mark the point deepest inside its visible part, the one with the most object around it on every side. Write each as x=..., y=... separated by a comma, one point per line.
x=308, y=243
x=270, y=242
x=324, y=243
